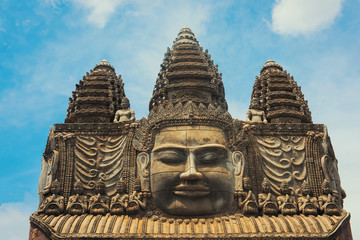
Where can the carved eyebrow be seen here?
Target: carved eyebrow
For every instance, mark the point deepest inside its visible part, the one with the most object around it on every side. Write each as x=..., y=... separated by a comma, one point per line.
x=214, y=145
x=168, y=146
x=182, y=147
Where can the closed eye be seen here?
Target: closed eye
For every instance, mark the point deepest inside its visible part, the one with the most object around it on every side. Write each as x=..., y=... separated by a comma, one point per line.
x=170, y=156
x=212, y=155
x=209, y=157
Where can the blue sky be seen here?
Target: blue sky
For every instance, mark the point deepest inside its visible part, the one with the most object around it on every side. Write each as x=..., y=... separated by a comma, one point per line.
x=46, y=46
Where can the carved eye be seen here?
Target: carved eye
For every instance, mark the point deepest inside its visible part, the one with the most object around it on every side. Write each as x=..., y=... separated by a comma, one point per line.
x=170, y=156
x=211, y=155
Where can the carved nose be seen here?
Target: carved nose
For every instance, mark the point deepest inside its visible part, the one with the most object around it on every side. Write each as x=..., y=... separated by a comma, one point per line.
x=190, y=173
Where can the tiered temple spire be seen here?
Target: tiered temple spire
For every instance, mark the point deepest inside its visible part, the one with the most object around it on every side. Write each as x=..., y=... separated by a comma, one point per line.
x=277, y=94
x=188, y=73
x=97, y=96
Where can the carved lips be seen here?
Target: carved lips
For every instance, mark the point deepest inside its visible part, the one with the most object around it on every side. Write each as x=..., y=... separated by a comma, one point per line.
x=191, y=191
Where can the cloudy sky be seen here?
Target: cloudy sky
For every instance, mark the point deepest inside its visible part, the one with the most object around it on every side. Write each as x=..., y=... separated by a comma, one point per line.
x=46, y=46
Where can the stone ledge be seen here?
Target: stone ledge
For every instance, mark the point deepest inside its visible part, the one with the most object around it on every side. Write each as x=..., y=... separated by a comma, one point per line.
x=154, y=227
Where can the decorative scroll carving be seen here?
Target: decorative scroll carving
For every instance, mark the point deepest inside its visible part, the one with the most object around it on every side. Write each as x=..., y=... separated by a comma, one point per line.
x=283, y=159
x=99, y=158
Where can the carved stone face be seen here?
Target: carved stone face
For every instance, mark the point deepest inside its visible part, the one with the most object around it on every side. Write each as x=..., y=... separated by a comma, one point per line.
x=305, y=189
x=266, y=188
x=246, y=184
x=55, y=188
x=121, y=187
x=326, y=188
x=100, y=188
x=191, y=171
x=78, y=189
x=284, y=188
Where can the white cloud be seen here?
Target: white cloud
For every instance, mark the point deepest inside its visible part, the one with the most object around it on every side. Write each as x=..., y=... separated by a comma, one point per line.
x=100, y=12
x=301, y=17
x=14, y=218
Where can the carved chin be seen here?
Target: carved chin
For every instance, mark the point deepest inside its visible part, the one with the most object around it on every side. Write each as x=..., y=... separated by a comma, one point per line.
x=196, y=203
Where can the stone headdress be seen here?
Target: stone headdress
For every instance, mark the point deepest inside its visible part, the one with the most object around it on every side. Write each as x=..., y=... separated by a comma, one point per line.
x=188, y=91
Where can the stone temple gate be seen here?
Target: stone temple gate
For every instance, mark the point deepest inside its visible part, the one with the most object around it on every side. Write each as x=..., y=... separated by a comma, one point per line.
x=189, y=170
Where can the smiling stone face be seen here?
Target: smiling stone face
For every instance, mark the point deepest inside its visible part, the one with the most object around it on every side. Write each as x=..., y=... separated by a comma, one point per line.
x=191, y=171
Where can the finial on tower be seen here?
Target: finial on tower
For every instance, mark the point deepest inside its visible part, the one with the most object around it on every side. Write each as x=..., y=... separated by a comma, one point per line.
x=271, y=63
x=186, y=36
x=104, y=64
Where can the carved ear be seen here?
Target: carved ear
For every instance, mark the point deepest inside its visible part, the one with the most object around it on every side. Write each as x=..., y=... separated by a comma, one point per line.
x=143, y=160
x=325, y=160
x=238, y=160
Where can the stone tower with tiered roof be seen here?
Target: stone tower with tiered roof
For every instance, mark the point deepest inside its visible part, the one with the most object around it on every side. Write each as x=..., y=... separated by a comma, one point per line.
x=189, y=170
x=277, y=94
x=97, y=96
x=188, y=72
